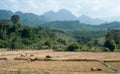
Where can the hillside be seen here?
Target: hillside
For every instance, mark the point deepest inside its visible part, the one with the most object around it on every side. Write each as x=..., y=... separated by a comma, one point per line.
x=88, y=20
x=76, y=25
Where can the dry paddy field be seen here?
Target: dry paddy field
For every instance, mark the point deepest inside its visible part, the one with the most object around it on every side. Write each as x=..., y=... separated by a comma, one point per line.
x=60, y=63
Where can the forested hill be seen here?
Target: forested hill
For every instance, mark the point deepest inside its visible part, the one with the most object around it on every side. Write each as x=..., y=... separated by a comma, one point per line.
x=77, y=26
x=15, y=35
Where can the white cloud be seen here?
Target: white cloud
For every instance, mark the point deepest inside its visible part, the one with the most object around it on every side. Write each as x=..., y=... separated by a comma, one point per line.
x=14, y=1
x=11, y=0
x=117, y=8
x=99, y=8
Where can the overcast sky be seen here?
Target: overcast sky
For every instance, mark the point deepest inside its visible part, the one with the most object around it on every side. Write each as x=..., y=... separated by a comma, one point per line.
x=92, y=8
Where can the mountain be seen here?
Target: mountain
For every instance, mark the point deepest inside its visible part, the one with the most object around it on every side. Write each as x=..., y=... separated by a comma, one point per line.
x=88, y=20
x=51, y=16
x=61, y=15
x=111, y=19
x=30, y=18
x=5, y=14
x=25, y=18
x=65, y=15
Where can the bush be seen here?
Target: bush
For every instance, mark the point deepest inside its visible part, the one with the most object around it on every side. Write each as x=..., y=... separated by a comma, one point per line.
x=105, y=49
x=61, y=41
x=110, y=44
x=3, y=44
x=26, y=33
x=47, y=43
x=73, y=47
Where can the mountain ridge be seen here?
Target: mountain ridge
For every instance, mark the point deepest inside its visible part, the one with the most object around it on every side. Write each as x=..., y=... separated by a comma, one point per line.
x=50, y=16
x=61, y=15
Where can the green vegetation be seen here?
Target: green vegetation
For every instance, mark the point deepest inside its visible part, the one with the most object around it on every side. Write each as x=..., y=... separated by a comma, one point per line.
x=59, y=36
x=15, y=19
x=73, y=47
x=17, y=36
x=110, y=44
x=113, y=40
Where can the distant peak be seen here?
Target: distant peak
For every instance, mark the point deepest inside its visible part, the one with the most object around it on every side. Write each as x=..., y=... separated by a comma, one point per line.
x=19, y=12
x=63, y=10
x=51, y=11
x=84, y=16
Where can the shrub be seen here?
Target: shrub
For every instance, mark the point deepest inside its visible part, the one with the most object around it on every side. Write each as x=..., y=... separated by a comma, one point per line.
x=73, y=47
x=47, y=43
x=105, y=49
x=110, y=44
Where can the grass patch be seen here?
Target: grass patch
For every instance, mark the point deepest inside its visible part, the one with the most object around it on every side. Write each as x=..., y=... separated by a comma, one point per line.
x=20, y=71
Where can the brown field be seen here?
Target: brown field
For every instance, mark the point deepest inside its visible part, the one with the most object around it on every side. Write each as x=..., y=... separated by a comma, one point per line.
x=60, y=63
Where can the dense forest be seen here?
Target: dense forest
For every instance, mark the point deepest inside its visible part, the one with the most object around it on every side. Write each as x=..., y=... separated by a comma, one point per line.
x=59, y=36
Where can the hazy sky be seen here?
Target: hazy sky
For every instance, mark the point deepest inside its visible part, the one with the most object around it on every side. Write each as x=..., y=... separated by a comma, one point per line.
x=93, y=8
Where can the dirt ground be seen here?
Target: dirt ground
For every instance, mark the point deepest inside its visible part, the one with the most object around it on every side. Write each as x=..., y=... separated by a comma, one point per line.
x=11, y=66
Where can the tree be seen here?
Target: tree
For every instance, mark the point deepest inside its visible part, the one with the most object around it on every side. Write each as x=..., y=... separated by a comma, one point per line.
x=15, y=43
x=90, y=45
x=62, y=41
x=113, y=38
x=15, y=19
x=26, y=33
x=80, y=43
x=1, y=35
x=109, y=35
x=110, y=44
x=48, y=44
x=73, y=47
